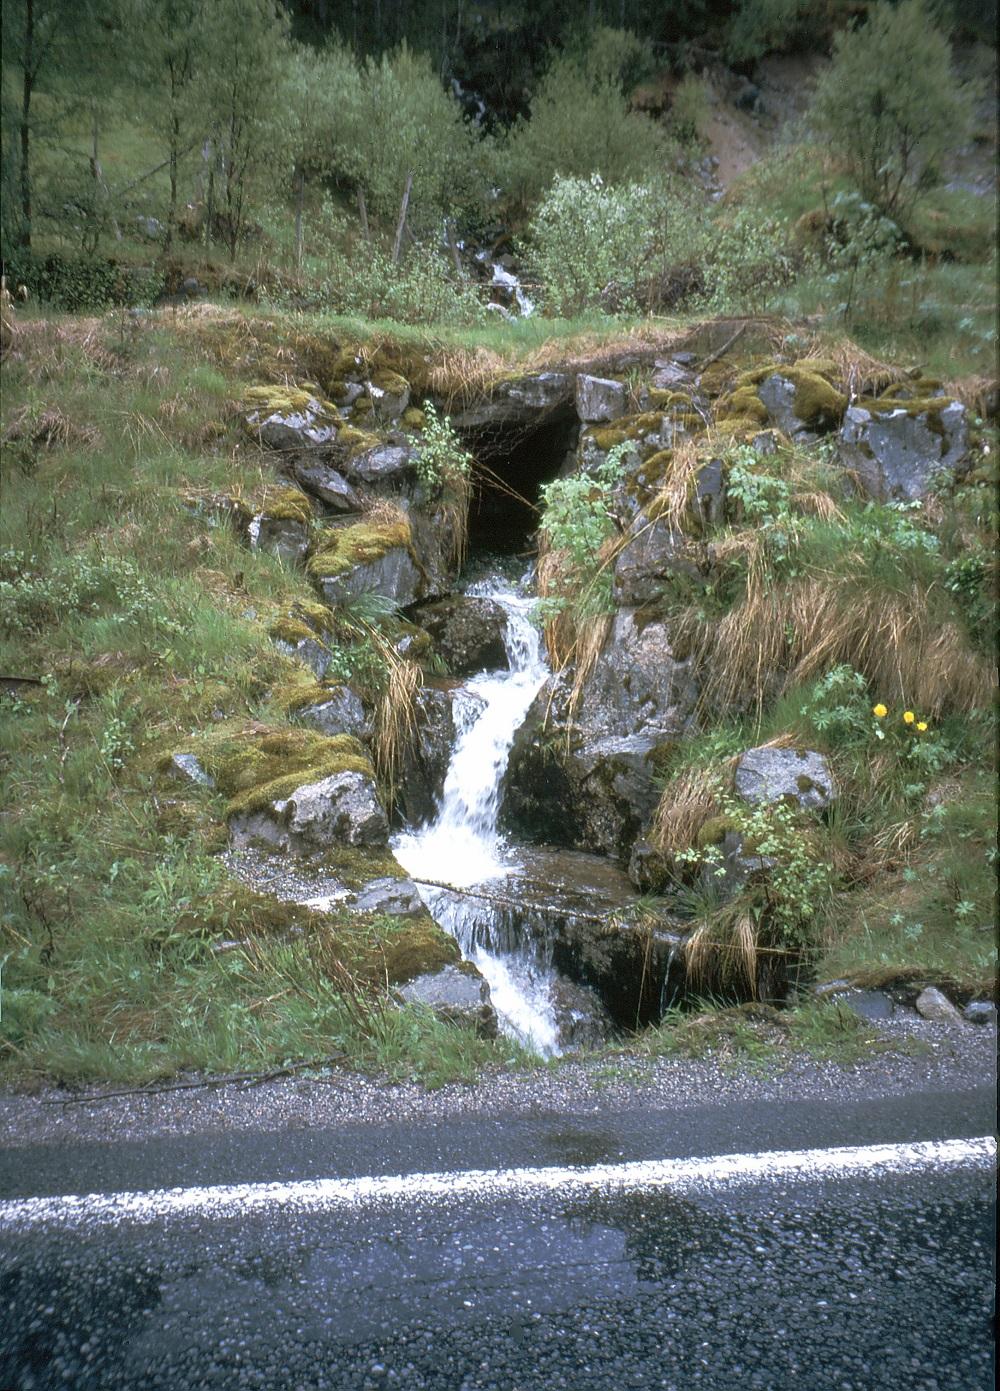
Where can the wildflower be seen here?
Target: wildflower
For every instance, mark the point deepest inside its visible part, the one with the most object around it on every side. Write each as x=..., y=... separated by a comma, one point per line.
x=879, y=711
x=908, y=717
x=921, y=725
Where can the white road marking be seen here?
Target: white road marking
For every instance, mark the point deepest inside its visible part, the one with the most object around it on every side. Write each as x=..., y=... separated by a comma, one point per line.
x=682, y=1175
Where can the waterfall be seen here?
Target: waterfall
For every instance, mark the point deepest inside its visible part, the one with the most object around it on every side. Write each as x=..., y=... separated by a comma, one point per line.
x=462, y=846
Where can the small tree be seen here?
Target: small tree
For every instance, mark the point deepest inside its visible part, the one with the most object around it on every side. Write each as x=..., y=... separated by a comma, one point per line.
x=891, y=105
x=246, y=43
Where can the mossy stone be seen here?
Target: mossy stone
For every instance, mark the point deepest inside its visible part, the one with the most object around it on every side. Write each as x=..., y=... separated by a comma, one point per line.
x=253, y=770
x=340, y=549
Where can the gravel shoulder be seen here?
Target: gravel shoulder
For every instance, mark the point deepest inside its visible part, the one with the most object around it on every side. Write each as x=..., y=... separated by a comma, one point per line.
x=951, y=1058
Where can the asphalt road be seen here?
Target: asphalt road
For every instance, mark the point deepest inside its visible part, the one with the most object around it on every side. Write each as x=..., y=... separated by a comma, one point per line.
x=648, y=1271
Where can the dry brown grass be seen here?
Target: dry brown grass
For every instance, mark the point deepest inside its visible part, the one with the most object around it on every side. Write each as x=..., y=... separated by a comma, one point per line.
x=723, y=952
x=395, y=722
x=688, y=801
x=673, y=500
x=785, y=634
x=49, y=429
x=861, y=373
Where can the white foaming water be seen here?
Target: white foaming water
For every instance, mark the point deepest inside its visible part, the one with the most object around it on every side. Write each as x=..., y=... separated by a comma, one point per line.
x=462, y=845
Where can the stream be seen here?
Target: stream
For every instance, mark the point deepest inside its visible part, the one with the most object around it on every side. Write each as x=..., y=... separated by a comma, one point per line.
x=462, y=845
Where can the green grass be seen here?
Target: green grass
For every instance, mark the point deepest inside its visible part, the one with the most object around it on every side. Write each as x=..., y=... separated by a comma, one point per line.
x=761, y=1037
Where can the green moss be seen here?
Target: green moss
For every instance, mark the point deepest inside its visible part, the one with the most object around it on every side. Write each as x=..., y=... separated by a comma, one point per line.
x=417, y=948
x=714, y=831
x=605, y=438
x=290, y=630
x=255, y=769
x=356, y=441
x=414, y=418
x=362, y=408
x=738, y=426
x=667, y=400
x=286, y=400
x=340, y=549
x=392, y=382
x=744, y=404
x=817, y=400
x=283, y=504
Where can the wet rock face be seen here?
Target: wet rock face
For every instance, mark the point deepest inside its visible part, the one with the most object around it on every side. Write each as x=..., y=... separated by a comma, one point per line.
x=637, y=686
x=598, y=398
x=897, y=454
x=468, y=633
x=425, y=762
x=341, y=713
x=393, y=575
x=326, y=484
x=766, y=775
x=590, y=780
x=525, y=401
x=581, y=1017
x=456, y=994
x=341, y=809
x=652, y=556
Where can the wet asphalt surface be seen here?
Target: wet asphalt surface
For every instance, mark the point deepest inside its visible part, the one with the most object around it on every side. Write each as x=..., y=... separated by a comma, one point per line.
x=828, y=1283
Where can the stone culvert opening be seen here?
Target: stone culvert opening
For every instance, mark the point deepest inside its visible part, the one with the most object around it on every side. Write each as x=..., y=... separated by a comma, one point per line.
x=513, y=461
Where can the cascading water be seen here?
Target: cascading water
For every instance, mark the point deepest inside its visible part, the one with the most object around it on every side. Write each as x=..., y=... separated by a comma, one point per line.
x=462, y=846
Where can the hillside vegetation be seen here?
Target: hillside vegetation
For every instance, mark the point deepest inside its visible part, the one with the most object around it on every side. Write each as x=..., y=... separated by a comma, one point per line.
x=238, y=240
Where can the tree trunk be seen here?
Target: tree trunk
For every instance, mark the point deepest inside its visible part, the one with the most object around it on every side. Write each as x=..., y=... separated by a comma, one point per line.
x=98, y=173
x=363, y=215
x=398, y=243
x=300, y=193
x=25, y=132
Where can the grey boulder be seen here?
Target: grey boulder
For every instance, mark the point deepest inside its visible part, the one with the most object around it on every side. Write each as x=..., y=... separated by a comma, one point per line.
x=340, y=713
x=896, y=454
x=599, y=398
x=933, y=1004
x=393, y=575
x=468, y=633
x=341, y=809
x=327, y=485
x=457, y=994
x=767, y=775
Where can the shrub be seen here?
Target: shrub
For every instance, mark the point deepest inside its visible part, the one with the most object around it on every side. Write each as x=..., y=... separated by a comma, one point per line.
x=420, y=289
x=80, y=283
x=617, y=247
x=396, y=118
x=890, y=104
x=580, y=123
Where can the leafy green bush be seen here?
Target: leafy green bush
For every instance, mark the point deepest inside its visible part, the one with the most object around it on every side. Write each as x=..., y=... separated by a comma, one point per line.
x=890, y=105
x=576, y=521
x=80, y=284
x=597, y=245
x=442, y=460
x=420, y=289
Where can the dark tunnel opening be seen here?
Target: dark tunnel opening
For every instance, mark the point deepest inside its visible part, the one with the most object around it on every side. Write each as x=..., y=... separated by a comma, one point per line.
x=512, y=464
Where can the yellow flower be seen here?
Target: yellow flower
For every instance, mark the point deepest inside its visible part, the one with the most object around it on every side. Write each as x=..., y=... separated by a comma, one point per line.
x=879, y=711
x=921, y=725
x=908, y=717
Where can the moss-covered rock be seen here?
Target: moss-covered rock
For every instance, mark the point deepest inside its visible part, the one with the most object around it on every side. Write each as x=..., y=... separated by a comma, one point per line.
x=368, y=558
x=256, y=769
x=290, y=417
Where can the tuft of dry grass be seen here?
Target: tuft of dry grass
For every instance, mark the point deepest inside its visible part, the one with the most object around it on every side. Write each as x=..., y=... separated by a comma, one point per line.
x=49, y=429
x=673, y=500
x=783, y=635
x=688, y=801
x=861, y=373
x=723, y=952
x=395, y=722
